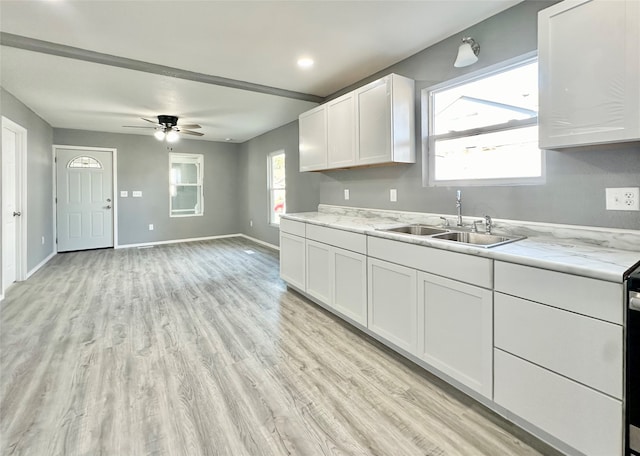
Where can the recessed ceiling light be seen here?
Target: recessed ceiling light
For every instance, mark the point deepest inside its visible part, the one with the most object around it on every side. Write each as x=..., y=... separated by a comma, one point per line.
x=305, y=62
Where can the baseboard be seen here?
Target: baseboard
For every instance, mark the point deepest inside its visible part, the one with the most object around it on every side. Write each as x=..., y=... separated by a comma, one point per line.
x=258, y=241
x=175, y=241
x=39, y=265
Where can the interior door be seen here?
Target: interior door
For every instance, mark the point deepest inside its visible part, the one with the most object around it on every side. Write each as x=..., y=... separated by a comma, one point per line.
x=84, y=207
x=9, y=212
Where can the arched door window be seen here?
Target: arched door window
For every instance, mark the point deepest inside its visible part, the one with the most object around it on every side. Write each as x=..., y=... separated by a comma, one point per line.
x=84, y=162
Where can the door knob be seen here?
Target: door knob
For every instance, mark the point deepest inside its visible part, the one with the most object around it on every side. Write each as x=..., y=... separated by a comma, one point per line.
x=108, y=207
x=108, y=200
x=17, y=214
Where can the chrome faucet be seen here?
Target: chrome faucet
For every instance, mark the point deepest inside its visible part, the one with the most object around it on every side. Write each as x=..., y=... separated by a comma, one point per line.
x=445, y=222
x=459, y=207
x=488, y=224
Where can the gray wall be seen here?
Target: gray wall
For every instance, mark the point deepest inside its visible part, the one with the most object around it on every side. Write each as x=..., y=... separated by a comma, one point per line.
x=143, y=164
x=302, y=188
x=39, y=177
x=576, y=179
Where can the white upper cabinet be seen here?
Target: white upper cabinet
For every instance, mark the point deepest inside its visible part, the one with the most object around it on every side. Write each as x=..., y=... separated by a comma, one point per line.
x=372, y=125
x=313, y=139
x=341, y=132
x=589, y=63
x=386, y=121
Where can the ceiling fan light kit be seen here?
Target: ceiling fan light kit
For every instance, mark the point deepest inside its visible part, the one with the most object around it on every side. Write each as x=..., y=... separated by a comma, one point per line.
x=167, y=128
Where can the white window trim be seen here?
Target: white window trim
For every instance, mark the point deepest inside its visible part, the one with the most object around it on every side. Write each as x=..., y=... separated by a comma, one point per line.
x=270, y=189
x=187, y=158
x=428, y=159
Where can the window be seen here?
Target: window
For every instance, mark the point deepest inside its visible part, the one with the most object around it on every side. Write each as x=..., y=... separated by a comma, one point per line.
x=84, y=162
x=185, y=185
x=484, y=130
x=277, y=185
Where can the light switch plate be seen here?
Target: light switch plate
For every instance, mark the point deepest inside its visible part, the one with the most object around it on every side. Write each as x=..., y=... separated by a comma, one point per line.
x=136, y=194
x=346, y=193
x=393, y=195
x=124, y=194
x=150, y=226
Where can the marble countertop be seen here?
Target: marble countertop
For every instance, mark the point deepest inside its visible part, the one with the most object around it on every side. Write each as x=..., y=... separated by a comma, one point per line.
x=585, y=252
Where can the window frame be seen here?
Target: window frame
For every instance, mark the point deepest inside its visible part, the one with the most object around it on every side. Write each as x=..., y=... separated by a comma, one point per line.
x=271, y=189
x=197, y=159
x=428, y=141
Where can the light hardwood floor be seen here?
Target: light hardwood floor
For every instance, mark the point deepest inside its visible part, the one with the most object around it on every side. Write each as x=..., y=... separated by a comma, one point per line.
x=200, y=349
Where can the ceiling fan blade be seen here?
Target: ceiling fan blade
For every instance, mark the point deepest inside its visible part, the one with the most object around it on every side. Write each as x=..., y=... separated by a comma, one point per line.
x=136, y=126
x=189, y=126
x=189, y=132
x=155, y=122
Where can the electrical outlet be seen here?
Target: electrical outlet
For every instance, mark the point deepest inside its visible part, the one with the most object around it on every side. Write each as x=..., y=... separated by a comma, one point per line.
x=251, y=223
x=124, y=193
x=393, y=195
x=150, y=226
x=346, y=193
x=42, y=240
x=623, y=199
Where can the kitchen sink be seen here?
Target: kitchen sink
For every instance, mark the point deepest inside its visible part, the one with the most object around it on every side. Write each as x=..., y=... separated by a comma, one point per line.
x=479, y=239
x=416, y=230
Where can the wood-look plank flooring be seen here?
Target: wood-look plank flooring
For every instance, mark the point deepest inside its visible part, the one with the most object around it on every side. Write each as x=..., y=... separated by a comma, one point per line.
x=200, y=349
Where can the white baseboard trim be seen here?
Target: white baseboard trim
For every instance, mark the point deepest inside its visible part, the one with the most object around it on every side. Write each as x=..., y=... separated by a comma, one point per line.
x=42, y=263
x=258, y=241
x=175, y=241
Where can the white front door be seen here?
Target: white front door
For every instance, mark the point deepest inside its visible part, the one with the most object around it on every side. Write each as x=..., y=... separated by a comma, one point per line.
x=84, y=210
x=9, y=211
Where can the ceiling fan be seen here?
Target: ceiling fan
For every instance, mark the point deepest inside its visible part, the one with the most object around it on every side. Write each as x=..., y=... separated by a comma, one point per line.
x=167, y=128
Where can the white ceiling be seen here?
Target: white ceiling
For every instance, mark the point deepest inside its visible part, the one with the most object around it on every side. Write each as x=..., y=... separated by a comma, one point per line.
x=253, y=41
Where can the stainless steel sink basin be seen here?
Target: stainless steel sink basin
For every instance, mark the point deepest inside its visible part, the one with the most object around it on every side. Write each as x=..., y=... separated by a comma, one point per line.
x=416, y=230
x=478, y=239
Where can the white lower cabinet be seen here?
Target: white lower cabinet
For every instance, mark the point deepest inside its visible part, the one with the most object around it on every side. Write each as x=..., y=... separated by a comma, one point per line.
x=392, y=303
x=292, y=259
x=455, y=330
x=319, y=271
x=583, y=418
x=338, y=278
x=350, y=284
x=545, y=346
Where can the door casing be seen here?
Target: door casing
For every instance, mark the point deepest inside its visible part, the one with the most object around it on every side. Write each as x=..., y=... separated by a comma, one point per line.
x=114, y=180
x=21, y=203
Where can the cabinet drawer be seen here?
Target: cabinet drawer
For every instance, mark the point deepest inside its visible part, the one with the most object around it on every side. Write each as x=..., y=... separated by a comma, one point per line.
x=458, y=266
x=583, y=418
x=582, y=348
x=591, y=297
x=292, y=227
x=344, y=239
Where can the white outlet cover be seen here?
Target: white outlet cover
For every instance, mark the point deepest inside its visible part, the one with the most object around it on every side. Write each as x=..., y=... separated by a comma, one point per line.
x=623, y=199
x=346, y=193
x=124, y=193
x=393, y=195
x=150, y=226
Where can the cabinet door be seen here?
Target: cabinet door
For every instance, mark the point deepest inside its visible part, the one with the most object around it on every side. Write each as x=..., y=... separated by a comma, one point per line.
x=341, y=132
x=392, y=303
x=319, y=259
x=313, y=139
x=583, y=418
x=292, y=260
x=350, y=285
x=373, y=105
x=589, y=91
x=455, y=330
